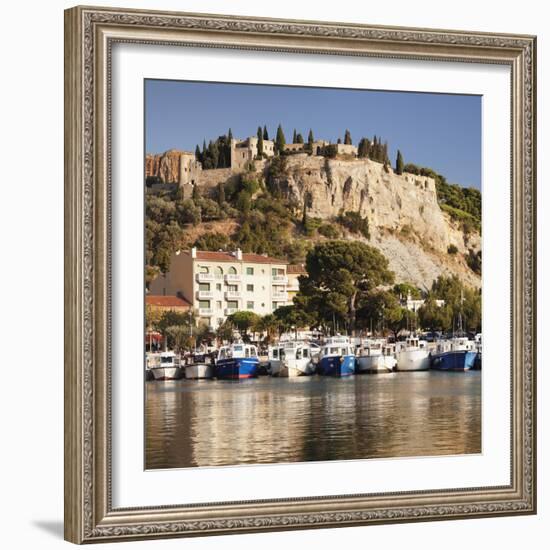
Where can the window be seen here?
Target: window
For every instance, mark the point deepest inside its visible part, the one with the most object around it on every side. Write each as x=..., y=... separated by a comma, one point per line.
x=204, y=286
x=274, y=306
x=232, y=271
x=233, y=288
x=232, y=304
x=250, y=271
x=204, y=304
x=218, y=286
x=219, y=272
x=277, y=272
x=203, y=269
x=249, y=305
x=250, y=288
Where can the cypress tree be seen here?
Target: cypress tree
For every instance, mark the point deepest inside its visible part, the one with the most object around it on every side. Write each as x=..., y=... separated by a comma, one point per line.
x=294, y=136
x=399, y=163
x=385, y=157
x=266, y=135
x=260, y=142
x=347, y=138
x=299, y=138
x=280, y=140
x=310, y=139
x=229, y=135
x=338, y=140
x=197, y=153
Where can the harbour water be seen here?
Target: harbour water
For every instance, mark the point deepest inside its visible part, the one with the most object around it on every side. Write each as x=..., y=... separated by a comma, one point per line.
x=276, y=420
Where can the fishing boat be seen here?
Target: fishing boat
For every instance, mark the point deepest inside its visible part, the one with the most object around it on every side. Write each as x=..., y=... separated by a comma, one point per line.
x=167, y=367
x=199, y=366
x=412, y=355
x=150, y=360
x=274, y=359
x=456, y=354
x=375, y=356
x=237, y=362
x=296, y=359
x=337, y=357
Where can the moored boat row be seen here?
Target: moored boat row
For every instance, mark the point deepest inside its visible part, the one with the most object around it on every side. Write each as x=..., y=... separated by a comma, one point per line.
x=339, y=356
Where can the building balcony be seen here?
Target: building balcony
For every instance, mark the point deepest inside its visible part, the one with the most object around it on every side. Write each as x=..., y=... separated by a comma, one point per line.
x=205, y=294
x=233, y=294
x=205, y=312
x=280, y=297
x=233, y=278
x=279, y=279
x=230, y=310
x=205, y=277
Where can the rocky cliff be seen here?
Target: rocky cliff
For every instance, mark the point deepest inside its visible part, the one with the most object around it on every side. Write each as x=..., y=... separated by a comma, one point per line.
x=165, y=166
x=405, y=220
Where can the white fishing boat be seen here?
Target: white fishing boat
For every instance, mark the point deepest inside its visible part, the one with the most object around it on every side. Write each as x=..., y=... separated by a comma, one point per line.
x=199, y=366
x=167, y=367
x=274, y=358
x=293, y=358
x=296, y=359
x=412, y=355
x=376, y=356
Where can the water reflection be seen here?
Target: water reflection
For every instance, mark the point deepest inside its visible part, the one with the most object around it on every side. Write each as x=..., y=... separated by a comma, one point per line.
x=215, y=423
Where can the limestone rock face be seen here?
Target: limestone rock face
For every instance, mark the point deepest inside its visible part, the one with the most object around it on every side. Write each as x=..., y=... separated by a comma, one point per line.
x=165, y=166
x=405, y=220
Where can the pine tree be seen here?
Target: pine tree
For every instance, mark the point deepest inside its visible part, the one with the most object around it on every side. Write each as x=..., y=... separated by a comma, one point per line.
x=294, y=136
x=266, y=135
x=347, y=138
x=280, y=140
x=310, y=139
x=260, y=142
x=399, y=163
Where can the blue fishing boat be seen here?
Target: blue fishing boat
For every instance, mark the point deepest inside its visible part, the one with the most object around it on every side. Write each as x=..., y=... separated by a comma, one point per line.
x=237, y=362
x=456, y=354
x=337, y=357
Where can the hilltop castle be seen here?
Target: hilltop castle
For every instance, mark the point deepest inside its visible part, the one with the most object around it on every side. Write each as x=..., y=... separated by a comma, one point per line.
x=183, y=168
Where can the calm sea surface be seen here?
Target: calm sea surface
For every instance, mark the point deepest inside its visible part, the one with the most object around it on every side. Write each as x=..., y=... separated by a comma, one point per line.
x=266, y=420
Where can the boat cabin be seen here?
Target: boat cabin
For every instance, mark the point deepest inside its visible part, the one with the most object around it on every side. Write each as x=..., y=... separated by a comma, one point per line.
x=237, y=351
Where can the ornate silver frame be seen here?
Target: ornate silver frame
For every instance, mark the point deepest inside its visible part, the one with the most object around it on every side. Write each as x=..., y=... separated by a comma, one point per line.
x=89, y=36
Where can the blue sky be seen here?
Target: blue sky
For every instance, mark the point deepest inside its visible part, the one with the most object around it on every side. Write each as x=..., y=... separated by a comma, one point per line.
x=441, y=131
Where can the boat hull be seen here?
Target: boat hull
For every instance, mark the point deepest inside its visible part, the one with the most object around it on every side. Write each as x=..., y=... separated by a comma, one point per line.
x=199, y=371
x=275, y=367
x=293, y=368
x=375, y=364
x=413, y=360
x=167, y=373
x=337, y=365
x=237, y=368
x=454, y=360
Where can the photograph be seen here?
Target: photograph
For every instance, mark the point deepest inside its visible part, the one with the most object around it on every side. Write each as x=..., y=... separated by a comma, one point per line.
x=313, y=274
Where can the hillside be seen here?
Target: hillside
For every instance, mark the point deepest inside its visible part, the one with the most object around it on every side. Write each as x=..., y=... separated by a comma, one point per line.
x=404, y=218
x=288, y=203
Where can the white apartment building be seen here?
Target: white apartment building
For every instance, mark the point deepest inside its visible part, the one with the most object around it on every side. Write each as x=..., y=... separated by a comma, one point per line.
x=219, y=283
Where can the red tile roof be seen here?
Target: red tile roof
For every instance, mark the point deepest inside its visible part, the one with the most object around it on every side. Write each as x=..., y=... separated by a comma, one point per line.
x=166, y=301
x=296, y=269
x=207, y=255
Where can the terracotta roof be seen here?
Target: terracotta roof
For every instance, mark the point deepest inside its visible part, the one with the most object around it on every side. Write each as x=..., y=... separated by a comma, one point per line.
x=166, y=301
x=296, y=269
x=207, y=255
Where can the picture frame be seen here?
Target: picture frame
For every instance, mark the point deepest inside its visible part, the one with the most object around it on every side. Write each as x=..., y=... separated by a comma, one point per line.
x=90, y=34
